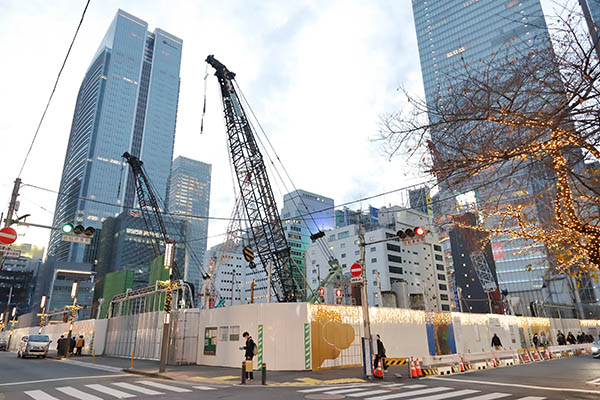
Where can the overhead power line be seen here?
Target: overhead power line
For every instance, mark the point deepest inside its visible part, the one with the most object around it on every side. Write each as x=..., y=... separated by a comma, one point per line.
x=53, y=89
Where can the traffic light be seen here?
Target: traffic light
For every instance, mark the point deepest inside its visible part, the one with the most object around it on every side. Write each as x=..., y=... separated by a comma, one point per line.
x=410, y=233
x=322, y=295
x=69, y=228
x=338, y=296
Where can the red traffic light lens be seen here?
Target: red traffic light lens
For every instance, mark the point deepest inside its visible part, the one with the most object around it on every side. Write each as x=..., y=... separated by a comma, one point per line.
x=322, y=291
x=419, y=231
x=338, y=292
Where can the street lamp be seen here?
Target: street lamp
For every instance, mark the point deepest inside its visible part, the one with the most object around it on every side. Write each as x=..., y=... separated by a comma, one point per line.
x=43, y=315
x=169, y=259
x=74, y=309
x=12, y=325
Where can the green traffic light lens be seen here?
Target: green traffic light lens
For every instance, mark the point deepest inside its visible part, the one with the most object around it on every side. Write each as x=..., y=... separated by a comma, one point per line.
x=67, y=228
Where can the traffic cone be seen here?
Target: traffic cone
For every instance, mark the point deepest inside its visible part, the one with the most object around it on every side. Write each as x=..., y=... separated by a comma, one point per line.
x=462, y=365
x=536, y=356
x=378, y=373
x=527, y=359
x=413, y=371
x=547, y=354
x=418, y=366
x=494, y=364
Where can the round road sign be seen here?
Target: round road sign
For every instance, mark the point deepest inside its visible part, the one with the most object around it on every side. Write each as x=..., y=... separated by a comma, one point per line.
x=8, y=235
x=356, y=269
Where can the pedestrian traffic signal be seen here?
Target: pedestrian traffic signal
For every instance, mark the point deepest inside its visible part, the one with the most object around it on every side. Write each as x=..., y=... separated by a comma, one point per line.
x=322, y=291
x=322, y=295
x=338, y=296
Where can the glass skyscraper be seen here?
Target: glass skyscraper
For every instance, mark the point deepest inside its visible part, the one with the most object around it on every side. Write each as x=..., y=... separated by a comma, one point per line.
x=127, y=102
x=451, y=33
x=189, y=198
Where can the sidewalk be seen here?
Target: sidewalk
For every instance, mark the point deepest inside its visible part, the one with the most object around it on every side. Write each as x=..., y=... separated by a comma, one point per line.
x=223, y=375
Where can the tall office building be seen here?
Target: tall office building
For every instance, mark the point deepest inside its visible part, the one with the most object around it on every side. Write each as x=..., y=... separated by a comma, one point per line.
x=304, y=213
x=127, y=102
x=189, y=197
x=450, y=34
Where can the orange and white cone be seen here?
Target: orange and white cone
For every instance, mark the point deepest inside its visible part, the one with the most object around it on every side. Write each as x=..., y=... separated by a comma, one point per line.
x=527, y=359
x=413, y=371
x=536, y=356
x=494, y=364
x=461, y=364
x=418, y=366
x=378, y=372
x=547, y=354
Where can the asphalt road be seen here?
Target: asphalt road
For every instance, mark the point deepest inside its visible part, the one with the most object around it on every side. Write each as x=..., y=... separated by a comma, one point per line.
x=49, y=379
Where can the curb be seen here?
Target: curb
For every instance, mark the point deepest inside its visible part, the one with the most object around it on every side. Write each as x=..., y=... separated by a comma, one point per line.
x=149, y=374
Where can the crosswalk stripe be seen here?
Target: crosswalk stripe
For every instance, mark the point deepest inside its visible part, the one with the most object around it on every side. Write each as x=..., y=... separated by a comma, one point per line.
x=135, y=388
x=345, y=391
x=490, y=396
x=78, y=394
x=113, y=392
x=394, y=384
x=39, y=395
x=165, y=387
x=531, y=398
x=418, y=386
x=410, y=394
x=448, y=395
x=323, y=389
x=369, y=393
x=205, y=388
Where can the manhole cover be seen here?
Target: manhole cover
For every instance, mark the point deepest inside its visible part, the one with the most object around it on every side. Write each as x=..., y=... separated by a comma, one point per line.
x=324, y=396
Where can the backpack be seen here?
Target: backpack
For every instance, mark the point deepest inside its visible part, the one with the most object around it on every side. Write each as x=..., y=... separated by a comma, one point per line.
x=255, y=349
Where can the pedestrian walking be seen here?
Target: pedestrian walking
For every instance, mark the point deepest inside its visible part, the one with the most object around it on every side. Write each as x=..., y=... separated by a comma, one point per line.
x=496, y=343
x=250, y=351
x=543, y=339
x=62, y=346
x=380, y=356
x=79, y=345
x=72, y=345
x=535, y=340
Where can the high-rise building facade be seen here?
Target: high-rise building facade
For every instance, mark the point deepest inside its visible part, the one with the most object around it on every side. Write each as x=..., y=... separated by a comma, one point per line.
x=304, y=213
x=189, y=198
x=127, y=102
x=453, y=34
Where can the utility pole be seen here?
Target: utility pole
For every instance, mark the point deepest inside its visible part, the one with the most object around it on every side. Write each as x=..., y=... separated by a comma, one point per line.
x=252, y=292
x=12, y=326
x=169, y=258
x=12, y=206
x=364, y=297
x=74, y=308
x=43, y=314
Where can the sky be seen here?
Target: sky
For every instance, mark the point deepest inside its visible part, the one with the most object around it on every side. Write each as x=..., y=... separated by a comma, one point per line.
x=318, y=74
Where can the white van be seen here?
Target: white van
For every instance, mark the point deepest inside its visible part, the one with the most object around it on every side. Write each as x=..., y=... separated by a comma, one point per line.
x=33, y=345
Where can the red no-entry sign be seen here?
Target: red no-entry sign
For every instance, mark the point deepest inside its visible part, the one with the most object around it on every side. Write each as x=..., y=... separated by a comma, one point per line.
x=8, y=235
x=356, y=269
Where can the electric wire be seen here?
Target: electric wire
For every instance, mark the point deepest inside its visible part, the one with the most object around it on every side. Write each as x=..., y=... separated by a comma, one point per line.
x=53, y=90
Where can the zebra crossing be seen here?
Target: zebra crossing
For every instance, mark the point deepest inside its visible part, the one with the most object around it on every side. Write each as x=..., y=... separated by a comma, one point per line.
x=373, y=391
x=113, y=390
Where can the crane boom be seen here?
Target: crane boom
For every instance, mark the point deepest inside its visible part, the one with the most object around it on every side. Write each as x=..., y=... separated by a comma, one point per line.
x=150, y=209
x=264, y=221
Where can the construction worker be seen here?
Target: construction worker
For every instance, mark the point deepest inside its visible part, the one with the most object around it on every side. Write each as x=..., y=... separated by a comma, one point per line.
x=380, y=354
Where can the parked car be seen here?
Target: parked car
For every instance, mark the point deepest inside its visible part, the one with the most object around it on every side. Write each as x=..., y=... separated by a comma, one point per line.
x=3, y=344
x=33, y=345
x=596, y=349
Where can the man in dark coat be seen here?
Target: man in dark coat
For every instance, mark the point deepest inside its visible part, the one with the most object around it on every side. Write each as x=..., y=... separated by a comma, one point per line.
x=380, y=355
x=496, y=343
x=250, y=349
x=62, y=345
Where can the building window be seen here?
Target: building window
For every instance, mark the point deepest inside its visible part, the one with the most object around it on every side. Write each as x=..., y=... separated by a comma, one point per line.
x=343, y=235
x=373, y=260
x=373, y=249
x=394, y=258
x=393, y=247
x=439, y=258
x=445, y=307
x=437, y=248
x=441, y=277
x=439, y=267
x=443, y=287
x=395, y=270
x=357, y=253
x=342, y=245
x=343, y=255
x=443, y=296
x=331, y=238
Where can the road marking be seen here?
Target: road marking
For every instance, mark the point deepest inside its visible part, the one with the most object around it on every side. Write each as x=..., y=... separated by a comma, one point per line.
x=93, y=366
x=164, y=387
x=345, y=391
x=490, y=396
x=205, y=388
x=113, y=392
x=531, y=398
x=394, y=384
x=323, y=389
x=594, y=382
x=139, y=389
x=516, y=385
x=448, y=395
x=369, y=393
x=64, y=379
x=411, y=393
x=39, y=395
x=414, y=386
x=71, y=391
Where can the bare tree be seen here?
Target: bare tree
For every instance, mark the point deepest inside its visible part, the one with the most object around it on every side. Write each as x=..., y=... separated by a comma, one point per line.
x=522, y=127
